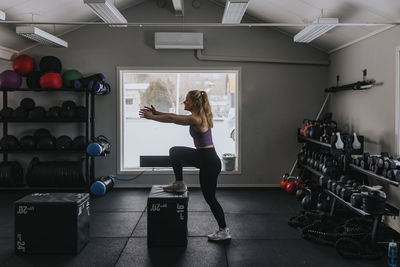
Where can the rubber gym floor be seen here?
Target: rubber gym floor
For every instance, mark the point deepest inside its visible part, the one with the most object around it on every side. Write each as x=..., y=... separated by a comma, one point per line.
x=118, y=228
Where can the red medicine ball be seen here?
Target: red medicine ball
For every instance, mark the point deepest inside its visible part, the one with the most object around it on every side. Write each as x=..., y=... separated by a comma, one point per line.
x=51, y=80
x=23, y=64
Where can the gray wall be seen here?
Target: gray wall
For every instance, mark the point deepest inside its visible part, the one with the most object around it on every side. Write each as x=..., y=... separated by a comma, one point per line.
x=371, y=112
x=275, y=97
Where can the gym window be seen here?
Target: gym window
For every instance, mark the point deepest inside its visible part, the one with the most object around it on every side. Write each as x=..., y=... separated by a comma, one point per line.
x=143, y=140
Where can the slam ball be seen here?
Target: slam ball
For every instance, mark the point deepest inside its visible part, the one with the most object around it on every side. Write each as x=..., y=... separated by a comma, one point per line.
x=10, y=79
x=50, y=64
x=51, y=80
x=23, y=64
x=33, y=79
x=71, y=75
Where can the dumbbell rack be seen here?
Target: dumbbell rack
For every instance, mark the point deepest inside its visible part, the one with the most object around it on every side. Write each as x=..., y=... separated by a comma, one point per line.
x=389, y=211
x=89, y=128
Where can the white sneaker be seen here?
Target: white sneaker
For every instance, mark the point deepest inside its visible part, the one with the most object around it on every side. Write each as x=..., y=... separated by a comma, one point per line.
x=220, y=235
x=175, y=188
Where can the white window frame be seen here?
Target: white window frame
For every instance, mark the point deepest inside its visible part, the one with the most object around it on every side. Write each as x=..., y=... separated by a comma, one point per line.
x=162, y=171
x=397, y=102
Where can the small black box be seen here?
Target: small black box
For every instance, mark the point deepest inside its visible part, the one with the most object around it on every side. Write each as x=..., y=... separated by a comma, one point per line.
x=51, y=223
x=166, y=218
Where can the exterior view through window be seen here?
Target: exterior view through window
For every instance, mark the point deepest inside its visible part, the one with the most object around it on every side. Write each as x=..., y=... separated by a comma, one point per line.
x=166, y=90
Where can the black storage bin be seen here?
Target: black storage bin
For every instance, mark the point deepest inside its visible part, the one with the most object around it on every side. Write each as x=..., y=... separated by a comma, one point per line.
x=51, y=223
x=166, y=218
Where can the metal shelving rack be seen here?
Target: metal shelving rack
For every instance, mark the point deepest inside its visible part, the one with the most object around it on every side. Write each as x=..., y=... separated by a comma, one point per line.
x=89, y=129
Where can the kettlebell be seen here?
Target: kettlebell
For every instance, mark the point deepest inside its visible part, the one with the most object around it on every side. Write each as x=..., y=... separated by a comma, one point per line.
x=306, y=202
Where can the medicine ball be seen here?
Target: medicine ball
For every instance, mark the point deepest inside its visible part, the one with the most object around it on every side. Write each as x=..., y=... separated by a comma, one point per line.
x=27, y=103
x=79, y=143
x=23, y=64
x=27, y=142
x=9, y=142
x=51, y=80
x=37, y=113
x=50, y=64
x=69, y=76
x=64, y=142
x=10, y=79
x=33, y=79
x=46, y=142
x=6, y=113
x=41, y=132
x=19, y=113
x=53, y=112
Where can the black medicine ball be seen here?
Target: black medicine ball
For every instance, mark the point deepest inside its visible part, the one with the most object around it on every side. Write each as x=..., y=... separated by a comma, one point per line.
x=50, y=64
x=33, y=79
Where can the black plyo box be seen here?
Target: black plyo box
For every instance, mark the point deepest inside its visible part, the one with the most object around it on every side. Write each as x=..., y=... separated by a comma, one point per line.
x=51, y=223
x=166, y=218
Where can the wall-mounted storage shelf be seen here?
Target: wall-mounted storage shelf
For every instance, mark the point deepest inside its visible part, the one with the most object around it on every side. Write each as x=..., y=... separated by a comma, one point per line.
x=372, y=174
x=302, y=139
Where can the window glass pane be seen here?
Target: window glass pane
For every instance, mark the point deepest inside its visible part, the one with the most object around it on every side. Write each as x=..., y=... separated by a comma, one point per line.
x=166, y=91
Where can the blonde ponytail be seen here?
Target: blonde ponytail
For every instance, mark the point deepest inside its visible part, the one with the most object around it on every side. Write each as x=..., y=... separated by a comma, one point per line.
x=200, y=98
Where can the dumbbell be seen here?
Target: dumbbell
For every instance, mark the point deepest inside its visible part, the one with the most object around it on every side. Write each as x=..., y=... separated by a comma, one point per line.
x=393, y=175
x=323, y=202
x=356, y=200
x=381, y=160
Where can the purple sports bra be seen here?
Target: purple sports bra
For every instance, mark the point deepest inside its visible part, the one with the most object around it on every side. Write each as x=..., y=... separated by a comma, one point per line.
x=201, y=139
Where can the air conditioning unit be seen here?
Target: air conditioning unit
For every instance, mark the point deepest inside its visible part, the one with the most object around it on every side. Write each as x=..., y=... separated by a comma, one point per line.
x=178, y=40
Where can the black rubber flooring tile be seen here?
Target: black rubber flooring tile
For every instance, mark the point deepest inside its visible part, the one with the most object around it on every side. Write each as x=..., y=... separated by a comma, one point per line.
x=260, y=226
x=7, y=223
x=196, y=201
x=199, y=252
x=270, y=200
x=99, y=252
x=121, y=200
x=287, y=253
x=113, y=224
x=6, y=249
x=201, y=223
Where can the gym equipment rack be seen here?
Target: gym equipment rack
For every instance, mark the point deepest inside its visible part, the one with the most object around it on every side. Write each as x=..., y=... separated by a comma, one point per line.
x=89, y=121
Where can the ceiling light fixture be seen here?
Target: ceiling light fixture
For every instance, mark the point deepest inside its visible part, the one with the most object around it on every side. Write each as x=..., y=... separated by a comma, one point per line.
x=106, y=11
x=178, y=6
x=234, y=11
x=2, y=15
x=315, y=30
x=41, y=36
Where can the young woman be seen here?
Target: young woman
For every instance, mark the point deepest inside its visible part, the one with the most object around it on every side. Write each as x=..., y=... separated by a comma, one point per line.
x=203, y=157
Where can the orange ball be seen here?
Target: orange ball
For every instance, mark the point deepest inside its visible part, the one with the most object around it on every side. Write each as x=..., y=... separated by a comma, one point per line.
x=23, y=64
x=51, y=80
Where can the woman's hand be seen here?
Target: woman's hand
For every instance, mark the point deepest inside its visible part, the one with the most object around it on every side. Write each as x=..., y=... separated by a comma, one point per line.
x=152, y=109
x=145, y=113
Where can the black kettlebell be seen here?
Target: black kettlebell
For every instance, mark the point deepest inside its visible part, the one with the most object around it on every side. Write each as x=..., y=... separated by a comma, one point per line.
x=306, y=202
x=300, y=193
x=9, y=143
x=19, y=113
x=28, y=142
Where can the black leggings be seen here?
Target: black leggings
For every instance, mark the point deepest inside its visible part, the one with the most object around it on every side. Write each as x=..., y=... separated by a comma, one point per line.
x=207, y=160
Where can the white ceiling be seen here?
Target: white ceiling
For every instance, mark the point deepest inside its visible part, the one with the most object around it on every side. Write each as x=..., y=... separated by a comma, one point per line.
x=277, y=11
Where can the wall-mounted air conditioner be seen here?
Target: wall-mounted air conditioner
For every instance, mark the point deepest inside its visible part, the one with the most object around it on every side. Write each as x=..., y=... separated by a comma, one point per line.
x=178, y=40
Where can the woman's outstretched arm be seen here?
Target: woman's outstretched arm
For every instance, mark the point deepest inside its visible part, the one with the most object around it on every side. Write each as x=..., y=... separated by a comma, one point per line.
x=170, y=118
